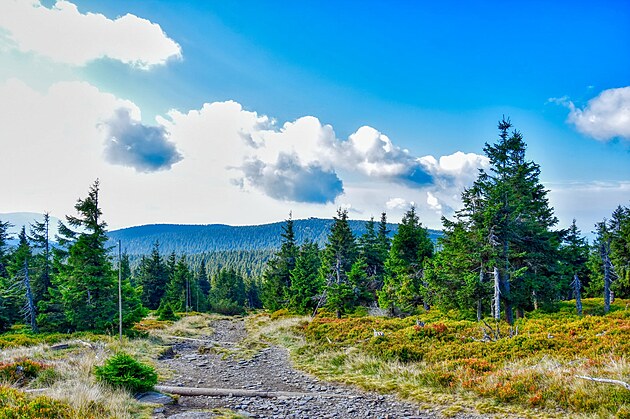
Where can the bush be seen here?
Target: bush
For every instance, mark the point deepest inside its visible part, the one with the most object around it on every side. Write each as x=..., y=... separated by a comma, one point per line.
x=123, y=371
x=21, y=371
x=166, y=312
x=15, y=404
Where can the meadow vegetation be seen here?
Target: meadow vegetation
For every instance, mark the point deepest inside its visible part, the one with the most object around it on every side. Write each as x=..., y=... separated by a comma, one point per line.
x=437, y=357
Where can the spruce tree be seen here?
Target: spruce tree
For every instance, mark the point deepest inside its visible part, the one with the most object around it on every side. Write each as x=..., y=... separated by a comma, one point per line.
x=19, y=296
x=619, y=227
x=510, y=222
x=42, y=262
x=227, y=294
x=4, y=253
x=277, y=275
x=373, y=248
x=153, y=277
x=5, y=322
x=338, y=256
x=178, y=291
x=456, y=276
x=404, y=267
x=305, y=280
x=86, y=282
x=202, y=279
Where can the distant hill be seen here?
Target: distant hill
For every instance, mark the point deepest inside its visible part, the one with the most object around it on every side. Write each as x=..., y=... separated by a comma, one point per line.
x=197, y=239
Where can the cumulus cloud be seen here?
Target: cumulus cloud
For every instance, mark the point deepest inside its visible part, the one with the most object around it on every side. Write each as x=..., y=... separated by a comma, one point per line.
x=397, y=203
x=289, y=180
x=132, y=144
x=434, y=203
x=262, y=155
x=65, y=35
x=373, y=154
x=604, y=117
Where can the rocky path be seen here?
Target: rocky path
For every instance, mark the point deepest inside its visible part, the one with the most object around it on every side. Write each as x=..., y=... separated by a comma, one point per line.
x=195, y=365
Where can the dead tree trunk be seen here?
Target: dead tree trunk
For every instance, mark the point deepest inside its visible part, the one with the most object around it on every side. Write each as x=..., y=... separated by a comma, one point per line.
x=497, y=295
x=577, y=285
x=605, y=254
x=479, y=308
x=29, y=298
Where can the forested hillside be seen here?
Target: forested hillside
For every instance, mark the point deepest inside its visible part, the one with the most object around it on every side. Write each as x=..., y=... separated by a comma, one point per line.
x=199, y=239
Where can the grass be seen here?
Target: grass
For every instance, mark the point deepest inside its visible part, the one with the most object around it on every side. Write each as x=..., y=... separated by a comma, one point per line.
x=64, y=380
x=447, y=361
x=444, y=366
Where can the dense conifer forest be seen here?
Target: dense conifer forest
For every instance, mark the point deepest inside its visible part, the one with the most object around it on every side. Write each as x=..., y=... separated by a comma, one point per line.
x=500, y=256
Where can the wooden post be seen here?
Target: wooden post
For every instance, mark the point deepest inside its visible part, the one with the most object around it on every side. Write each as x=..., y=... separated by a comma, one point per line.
x=119, y=293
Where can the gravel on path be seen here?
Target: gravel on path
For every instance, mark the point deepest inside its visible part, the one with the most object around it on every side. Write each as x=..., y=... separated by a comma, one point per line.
x=194, y=365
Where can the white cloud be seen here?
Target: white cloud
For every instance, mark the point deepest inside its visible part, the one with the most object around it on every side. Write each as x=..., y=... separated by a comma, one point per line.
x=605, y=117
x=434, y=203
x=585, y=201
x=299, y=165
x=397, y=203
x=373, y=154
x=65, y=35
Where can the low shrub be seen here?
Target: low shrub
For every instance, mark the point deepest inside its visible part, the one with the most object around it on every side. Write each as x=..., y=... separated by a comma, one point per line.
x=123, y=371
x=21, y=371
x=15, y=404
x=532, y=363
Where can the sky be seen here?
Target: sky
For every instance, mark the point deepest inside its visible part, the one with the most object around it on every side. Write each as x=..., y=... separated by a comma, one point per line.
x=203, y=112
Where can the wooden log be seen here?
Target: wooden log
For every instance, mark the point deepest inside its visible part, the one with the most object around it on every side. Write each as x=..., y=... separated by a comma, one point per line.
x=237, y=392
x=59, y=347
x=207, y=341
x=606, y=380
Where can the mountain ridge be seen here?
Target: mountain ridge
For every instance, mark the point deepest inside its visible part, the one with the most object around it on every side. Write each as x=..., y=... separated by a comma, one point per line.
x=187, y=239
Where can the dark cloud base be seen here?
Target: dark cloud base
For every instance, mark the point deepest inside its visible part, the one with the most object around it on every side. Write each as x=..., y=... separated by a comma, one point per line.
x=145, y=148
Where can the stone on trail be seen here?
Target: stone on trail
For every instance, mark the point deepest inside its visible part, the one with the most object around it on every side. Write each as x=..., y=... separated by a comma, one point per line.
x=155, y=398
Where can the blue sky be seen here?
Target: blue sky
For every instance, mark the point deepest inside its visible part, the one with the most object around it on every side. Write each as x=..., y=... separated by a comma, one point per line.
x=237, y=112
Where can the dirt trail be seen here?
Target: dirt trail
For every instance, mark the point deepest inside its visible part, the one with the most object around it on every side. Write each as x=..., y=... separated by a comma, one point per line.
x=269, y=370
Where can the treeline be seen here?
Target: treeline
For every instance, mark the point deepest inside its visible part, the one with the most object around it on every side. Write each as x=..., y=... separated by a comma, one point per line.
x=501, y=255
x=199, y=239
x=73, y=285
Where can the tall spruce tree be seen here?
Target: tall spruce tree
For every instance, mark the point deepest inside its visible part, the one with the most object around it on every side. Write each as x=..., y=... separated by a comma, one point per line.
x=5, y=322
x=153, y=277
x=404, y=268
x=338, y=256
x=277, y=275
x=510, y=220
x=42, y=261
x=305, y=281
x=619, y=227
x=373, y=248
x=19, y=295
x=86, y=282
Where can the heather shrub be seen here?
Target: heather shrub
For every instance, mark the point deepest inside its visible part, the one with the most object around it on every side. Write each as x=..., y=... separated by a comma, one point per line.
x=21, y=371
x=15, y=404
